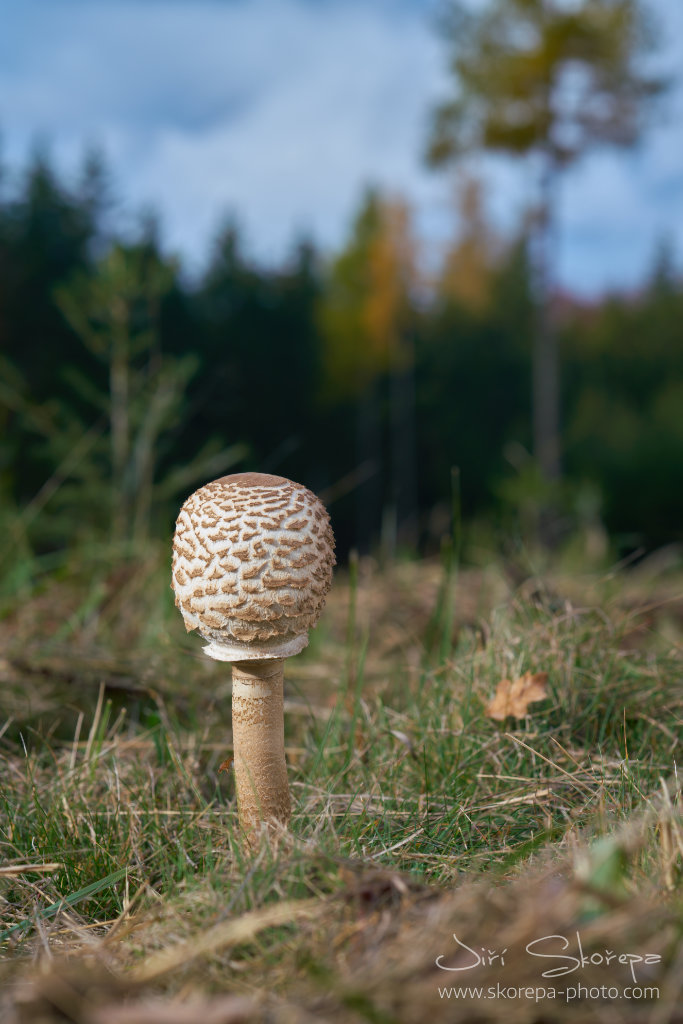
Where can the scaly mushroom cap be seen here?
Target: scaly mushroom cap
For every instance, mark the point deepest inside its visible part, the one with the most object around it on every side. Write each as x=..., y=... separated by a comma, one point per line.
x=252, y=565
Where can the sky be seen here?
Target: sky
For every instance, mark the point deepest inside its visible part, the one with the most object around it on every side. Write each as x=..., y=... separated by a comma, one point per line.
x=279, y=113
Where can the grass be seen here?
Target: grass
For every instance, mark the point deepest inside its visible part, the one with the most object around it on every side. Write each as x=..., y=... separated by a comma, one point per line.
x=125, y=887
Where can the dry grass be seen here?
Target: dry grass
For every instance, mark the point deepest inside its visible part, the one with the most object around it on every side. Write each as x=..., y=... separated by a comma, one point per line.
x=125, y=890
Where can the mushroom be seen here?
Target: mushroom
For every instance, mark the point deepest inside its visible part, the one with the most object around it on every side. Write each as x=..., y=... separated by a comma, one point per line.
x=252, y=565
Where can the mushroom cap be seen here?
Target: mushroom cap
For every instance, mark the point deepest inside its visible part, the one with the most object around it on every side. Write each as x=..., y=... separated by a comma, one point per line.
x=252, y=565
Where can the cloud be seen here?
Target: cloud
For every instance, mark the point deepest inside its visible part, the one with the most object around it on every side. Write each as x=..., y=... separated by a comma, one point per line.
x=282, y=110
x=279, y=109
x=346, y=106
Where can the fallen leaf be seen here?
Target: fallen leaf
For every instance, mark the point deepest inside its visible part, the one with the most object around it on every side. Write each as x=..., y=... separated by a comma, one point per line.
x=514, y=698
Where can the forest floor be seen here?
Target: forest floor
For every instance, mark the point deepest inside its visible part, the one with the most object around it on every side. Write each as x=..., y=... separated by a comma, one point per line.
x=435, y=853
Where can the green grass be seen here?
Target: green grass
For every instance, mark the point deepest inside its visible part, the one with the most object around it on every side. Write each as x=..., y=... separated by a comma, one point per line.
x=412, y=809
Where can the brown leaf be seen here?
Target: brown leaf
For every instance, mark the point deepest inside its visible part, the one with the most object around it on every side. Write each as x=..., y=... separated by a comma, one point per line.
x=514, y=698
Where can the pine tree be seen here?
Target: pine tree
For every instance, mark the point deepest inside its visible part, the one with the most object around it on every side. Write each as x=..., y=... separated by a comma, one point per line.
x=549, y=80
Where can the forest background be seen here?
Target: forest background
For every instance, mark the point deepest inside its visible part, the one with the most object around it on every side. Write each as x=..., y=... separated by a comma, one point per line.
x=395, y=384
x=123, y=385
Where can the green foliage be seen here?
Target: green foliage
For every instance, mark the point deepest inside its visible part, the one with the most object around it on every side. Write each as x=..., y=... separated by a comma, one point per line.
x=123, y=386
x=624, y=397
x=46, y=233
x=474, y=368
x=108, y=434
x=545, y=79
x=365, y=310
x=114, y=311
x=260, y=355
x=542, y=76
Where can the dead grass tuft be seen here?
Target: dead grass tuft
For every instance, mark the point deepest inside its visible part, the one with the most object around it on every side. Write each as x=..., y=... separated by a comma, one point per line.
x=126, y=892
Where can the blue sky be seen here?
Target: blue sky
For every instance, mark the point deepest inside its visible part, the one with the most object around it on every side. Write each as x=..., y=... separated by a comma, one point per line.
x=281, y=111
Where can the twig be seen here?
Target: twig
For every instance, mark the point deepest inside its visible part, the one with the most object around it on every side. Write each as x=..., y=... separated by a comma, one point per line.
x=20, y=869
x=228, y=933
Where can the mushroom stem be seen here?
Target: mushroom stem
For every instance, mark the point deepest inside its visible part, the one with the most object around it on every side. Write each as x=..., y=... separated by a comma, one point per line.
x=259, y=743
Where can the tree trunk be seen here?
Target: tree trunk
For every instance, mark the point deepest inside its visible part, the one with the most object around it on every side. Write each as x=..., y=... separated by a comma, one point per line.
x=119, y=399
x=546, y=369
x=404, y=490
x=369, y=451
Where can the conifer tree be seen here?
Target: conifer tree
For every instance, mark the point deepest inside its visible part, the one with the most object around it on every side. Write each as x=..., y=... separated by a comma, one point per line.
x=549, y=80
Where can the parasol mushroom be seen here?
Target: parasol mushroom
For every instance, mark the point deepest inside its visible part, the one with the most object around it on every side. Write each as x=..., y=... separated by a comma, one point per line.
x=252, y=565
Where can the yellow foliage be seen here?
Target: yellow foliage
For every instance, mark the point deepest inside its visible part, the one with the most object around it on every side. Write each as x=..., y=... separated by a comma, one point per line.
x=366, y=308
x=469, y=266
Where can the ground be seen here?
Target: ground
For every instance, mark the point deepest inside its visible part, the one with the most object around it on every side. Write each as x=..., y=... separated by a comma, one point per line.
x=433, y=851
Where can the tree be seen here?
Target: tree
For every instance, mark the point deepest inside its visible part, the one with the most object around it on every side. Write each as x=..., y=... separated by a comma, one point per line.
x=623, y=387
x=259, y=335
x=45, y=237
x=470, y=263
x=551, y=80
x=366, y=318
x=472, y=390
x=121, y=464
x=365, y=307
